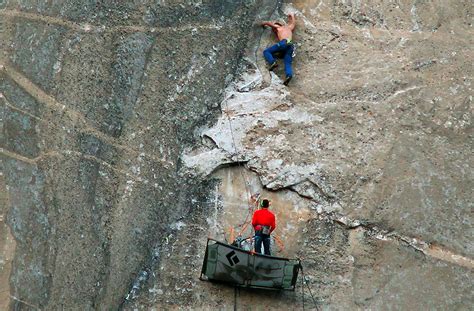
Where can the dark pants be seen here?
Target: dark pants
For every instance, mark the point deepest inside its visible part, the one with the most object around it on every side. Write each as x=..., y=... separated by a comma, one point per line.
x=286, y=50
x=265, y=239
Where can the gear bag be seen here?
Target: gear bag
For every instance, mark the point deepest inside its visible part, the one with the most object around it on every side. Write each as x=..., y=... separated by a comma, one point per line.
x=265, y=230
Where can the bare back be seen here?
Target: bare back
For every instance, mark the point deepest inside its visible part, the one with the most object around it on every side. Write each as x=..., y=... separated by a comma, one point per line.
x=283, y=32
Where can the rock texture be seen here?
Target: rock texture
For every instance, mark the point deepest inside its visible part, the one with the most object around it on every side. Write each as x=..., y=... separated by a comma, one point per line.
x=98, y=101
x=133, y=131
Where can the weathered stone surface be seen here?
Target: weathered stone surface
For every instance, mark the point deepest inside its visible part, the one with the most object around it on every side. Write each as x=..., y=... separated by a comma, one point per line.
x=7, y=248
x=36, y=47
x=133, y=131
x=31, y=226
x=398, y=278
x=376, y=126
x=98, y=115
x=368, y=110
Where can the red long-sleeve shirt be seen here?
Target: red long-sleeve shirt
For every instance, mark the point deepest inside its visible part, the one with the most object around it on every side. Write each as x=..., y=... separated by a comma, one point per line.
x=264, y=217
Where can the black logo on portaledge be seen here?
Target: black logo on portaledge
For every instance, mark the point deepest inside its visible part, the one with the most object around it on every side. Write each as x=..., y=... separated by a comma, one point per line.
x=232, y=258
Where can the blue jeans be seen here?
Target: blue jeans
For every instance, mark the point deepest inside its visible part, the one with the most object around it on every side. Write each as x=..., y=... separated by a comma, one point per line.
x=286, y=49
x=265, y=239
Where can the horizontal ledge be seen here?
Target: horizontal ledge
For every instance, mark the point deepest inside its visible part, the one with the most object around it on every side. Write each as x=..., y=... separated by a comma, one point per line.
x=86, y=27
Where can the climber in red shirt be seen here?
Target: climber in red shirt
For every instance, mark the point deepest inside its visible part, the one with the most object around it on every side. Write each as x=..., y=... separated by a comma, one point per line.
x=263, y=221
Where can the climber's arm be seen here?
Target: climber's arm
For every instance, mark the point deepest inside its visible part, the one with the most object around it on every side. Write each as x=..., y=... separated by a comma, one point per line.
x=291, y=21
x=269, y=24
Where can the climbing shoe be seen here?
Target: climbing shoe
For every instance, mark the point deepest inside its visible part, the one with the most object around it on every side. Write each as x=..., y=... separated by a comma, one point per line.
x=287, y=80
x=273, y=66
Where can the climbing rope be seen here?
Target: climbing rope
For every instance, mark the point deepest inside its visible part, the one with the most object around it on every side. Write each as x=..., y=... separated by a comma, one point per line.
x=235, y=298
x=247, y=220
x=279, y=242
x=236, y=153
x=302, y=287
x=309, y=288
x=251, y=207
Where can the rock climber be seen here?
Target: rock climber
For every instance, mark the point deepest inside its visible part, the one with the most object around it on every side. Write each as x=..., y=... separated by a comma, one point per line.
x=285, y=45
x=263, y=222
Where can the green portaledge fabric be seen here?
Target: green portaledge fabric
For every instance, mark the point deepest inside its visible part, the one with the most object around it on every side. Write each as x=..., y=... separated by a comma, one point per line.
x=226, y=263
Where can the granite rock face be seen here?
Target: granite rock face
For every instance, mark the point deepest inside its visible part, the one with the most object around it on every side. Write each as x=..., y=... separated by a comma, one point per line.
x=131, y=132
x=98, y=102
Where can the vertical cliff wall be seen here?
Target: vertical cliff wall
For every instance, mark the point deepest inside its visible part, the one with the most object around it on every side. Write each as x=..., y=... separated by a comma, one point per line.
x=365, y=157
x=98, y=101
x=132, y=131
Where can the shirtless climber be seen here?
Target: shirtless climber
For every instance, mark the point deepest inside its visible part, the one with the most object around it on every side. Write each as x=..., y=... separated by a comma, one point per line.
x=285, y=46
x=263, y=222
